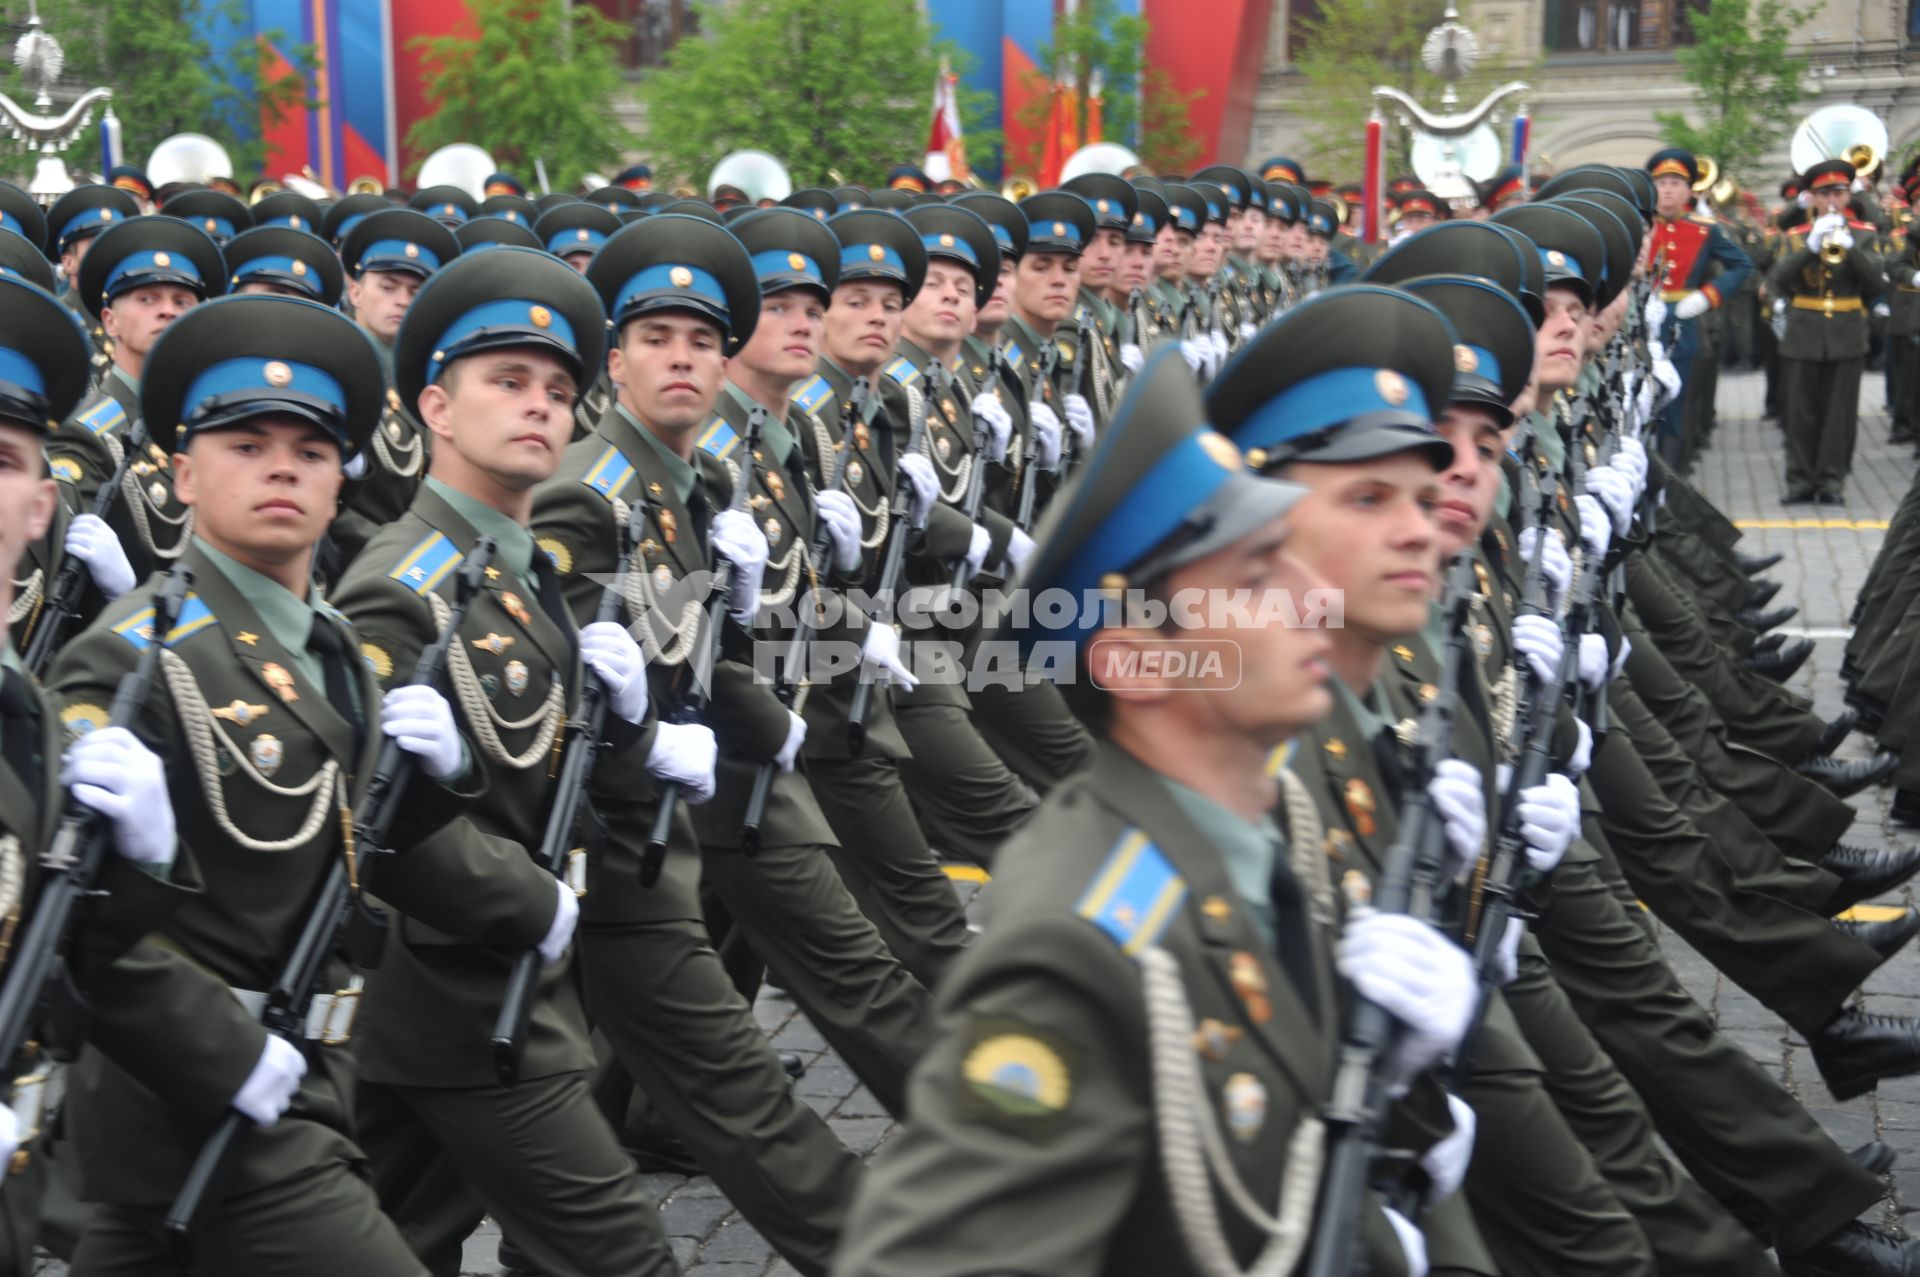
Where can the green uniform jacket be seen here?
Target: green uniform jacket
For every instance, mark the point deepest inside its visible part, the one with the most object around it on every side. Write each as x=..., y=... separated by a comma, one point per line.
x=82, y=453
x=1903, y=297
x=1034, y=1148
x=396, y=460
x=1820, y=335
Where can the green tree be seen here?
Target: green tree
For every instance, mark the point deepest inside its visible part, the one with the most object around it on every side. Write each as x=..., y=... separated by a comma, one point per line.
x=175, y=66
x=1745, y=82
x=527, y=80
x=833, y=88
x=1354, y=45
x=1140, y=105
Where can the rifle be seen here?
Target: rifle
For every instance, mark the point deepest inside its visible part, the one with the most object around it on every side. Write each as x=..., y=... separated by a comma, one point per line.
x=63, y=596
x=1358, y=1105
x=1083, y=385
x=791, y=681
x=891, y=564
x=976, y=492
x=341, y=920
x=586, y=731
x=38, y=997
x=701, y=662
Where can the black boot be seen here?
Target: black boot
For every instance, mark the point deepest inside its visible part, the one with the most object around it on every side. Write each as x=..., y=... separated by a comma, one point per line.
x=1783, y=662
x=1875, y=1156
x=796, y=1068
x=1856, y=1051
x=1856, y=1250
x=1866, y=872
x=1846, y=777
x=513, y=1261
x=1766, y=643
x=1838, y=729
x=1884, y=938
x=1755, y=563
x=1763, y=592
x=1760, y=622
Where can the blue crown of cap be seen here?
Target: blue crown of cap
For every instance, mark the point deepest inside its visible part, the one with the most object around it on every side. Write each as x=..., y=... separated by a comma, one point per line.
x=386, y=254
x=1213, y=209
x=1184, y=218
x=1320, y=222
x=157, y=264
x=1144, y=220
x=777, y=263
x=667, y=284
x=283, y=270
x=292, y=221
x=1002, y=236
x=1052, y=230
x=1486, y=365
x=263, y=380
x=87, y=219
x=18, y=370
x=9, y=222
x=1567, y=261
x=950, y=246
x=218, y=227
x=858, y=259
x=1327, y=399
x=571, y=241
x=348, y=223
x=515, y=315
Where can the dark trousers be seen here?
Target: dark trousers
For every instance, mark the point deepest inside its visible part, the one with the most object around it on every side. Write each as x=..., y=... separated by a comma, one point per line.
x=1823, y=416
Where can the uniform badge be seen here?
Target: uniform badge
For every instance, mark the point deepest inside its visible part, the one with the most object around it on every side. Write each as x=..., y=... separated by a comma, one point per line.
x=1250, y=983
x=949, y=411
x=662, y=577
x=1217, y=908
x=1356, y=888
x=855, y=473
x=1214, y=1038
x=157, y=493
x=1244, y=1100
x=944, y=446
x=1427, y=692
x=495, y=643
x=1404, y=652
x=1483, y=640
x=1360, y=806
x=776, y=485
x=246, y=636
x=280, y=681
x=1335, y=844
x=377, y=660
x=1336, y=748
x=516, y=677
x=669, y=526
x=562, y=557
x=239, y=713
x=267, y=754
x=515, y=608
x=773, y=530
x=1483, y=579
x=861, y=435
x=79, y=719
x=490, y=684
x=1017, y=1075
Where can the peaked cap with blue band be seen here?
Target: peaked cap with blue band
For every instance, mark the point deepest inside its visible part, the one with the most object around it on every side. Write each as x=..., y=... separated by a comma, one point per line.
x=894, y=199
x=1114, y=200
x=815, y=201
x=879, y=245
x=789, y=249
x=1229, y=182
x=504, y=297
x=1148, y=217
x=668, y=262
x=220, y=215
x=1057, y=222
x=46, y=359
x=1466, y=247
x=1161, y=488
x=1493, y=353
x=1571, y=250
x=1621, y=247
x=242, y=357
x=578, y=227
x=290, y=209
x=285, y=257
x=86, y=210
x=513, y=206
x=618, y=197
x=24, y=260
x=963, y=236
x=445, y=204
x=1002, y=218
x=346, y=212
x=1354, y=373
x=1593, y=177
x=150, y=250
x=397, y=239
x=847, y=198
x=1186, y=208
x=21, y=215
x=483, y=233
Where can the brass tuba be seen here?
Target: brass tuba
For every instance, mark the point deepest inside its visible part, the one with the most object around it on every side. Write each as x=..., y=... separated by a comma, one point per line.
x=1017, y=187
x=460, y=164
x=1843, y=131
x=758, y=174
x=188, y=157
x=1709, y=175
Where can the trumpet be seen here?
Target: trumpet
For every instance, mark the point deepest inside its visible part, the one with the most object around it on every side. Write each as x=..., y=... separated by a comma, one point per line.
x=1018, y=187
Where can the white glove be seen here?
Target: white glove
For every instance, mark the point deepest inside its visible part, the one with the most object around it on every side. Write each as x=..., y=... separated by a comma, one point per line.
x=1019, y=550
x=796, y=737
x=1596, y=525
x=1219, y=339
x=612, y=654
x=1582, y=760
x=1656, y=312
x=1615, y=493
x=1647, y=389
x=1461, y=803
x=916, y=470
x=990, y=412
x=1414, y=974
x=1538, y=639
x=1915, y=281
x=685, y=753
x=837, y=511
x=1131, y=357
x=1446, y=1162
x=1693, y=305
x=1556, y=565
x=977, y=547
x=1199, y=357
x=1080, y=421
x=9, y=1134
x=738, y=539
x=1632, y=456
x=880, y=656
x=566, y=915
x=1841, y=238
x=1506, y=958
x=1593, y=661
x=355, y=466
x=1413, y=1242
x=91, y=541
x=1780, y=303
x=1883, y=310
x=1620, y=657
x=1822, y=227
x=421, y=722
x=275, y=1080
x=1046, y=435
x=1549, y=818
x=110, y=771
x=1247, y=329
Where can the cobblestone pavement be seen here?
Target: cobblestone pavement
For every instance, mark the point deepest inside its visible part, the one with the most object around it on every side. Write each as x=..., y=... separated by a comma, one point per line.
x=1827, y=555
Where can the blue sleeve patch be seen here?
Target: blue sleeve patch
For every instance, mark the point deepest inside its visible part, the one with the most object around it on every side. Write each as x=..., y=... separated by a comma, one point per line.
x=1135, y=895
x=103, y=416
x=609, y=474
x=812, y=392
x=427, y=564
x=194, y=617
x=719, y=439
x=903, y=371
x=1016, y=357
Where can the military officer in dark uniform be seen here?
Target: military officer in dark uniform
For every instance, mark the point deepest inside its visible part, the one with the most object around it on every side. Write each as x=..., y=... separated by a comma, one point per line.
x=73, y=222
x=1095, y=324
x=1824, y=282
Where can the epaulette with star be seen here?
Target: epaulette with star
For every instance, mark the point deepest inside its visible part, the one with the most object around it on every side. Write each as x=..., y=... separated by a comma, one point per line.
x=609, y=475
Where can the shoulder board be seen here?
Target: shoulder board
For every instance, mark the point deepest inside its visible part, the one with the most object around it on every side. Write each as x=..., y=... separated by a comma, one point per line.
x=103, y=416
x=1080, y=313
x=608, y=476
x=138, y=628
x=427, y=564
x=903, y=371
x=812, y=392
x=1135, y=894
x=718, y=438
x=1282, y=757
x=1701, y=219
x=1016, y=357
x=1863, y=226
